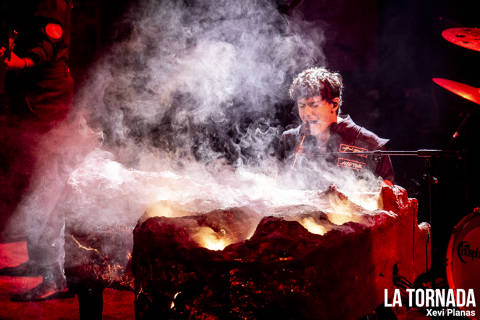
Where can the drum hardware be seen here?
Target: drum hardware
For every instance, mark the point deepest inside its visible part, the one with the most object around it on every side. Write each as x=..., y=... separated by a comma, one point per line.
x=465, y=91
x=465, y=37
x=463, y=255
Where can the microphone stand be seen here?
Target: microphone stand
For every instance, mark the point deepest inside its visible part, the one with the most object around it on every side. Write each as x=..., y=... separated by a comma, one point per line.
x=427, y=155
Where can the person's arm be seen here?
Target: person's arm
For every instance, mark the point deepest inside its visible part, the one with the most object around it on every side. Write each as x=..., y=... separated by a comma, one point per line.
x=17, y=63
x=42, y=53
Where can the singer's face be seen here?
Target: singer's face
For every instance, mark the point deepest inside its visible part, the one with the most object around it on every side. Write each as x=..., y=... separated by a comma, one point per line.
x=317, y=112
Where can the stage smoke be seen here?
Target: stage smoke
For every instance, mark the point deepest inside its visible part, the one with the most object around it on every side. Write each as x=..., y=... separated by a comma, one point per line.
x=185, y=109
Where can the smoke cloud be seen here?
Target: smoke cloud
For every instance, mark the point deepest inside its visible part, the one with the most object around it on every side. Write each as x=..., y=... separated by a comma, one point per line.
x=185, y=107
x=200, y=78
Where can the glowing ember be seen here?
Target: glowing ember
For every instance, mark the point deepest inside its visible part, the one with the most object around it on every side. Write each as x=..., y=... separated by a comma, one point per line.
x=165, y=209
x=370, y=201
x=340, y=218
x=345, y=209
x=341, y=212
x=282, y=265
x=208, y=238
x=312, y=226
x=220, y=229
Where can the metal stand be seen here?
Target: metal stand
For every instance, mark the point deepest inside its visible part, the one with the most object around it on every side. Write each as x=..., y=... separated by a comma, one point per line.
x=459, y=130
x=427, y=154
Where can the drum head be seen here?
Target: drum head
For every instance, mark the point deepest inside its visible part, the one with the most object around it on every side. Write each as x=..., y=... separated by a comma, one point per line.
x=463, y=258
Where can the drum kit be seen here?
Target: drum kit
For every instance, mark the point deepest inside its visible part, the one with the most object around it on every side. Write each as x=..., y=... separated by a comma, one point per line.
x=467, y=38
x=463, y=252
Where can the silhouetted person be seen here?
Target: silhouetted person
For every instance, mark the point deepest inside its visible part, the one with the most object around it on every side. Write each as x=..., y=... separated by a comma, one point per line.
x=38, y=93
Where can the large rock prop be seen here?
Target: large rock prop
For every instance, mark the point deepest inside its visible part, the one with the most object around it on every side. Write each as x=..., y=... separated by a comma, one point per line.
x=282, y=270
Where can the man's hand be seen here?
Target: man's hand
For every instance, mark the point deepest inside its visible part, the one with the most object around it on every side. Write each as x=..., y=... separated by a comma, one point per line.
x=15, y=63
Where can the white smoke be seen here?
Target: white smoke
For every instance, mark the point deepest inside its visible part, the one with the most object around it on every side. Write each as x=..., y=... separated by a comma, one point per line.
x=186, y=106
x=195, y=65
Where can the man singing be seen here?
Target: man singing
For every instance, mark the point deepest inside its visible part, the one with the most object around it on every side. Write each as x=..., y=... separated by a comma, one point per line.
x=325, y=133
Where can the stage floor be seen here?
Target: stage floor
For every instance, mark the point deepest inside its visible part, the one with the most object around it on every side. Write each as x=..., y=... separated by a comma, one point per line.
x=117, y=304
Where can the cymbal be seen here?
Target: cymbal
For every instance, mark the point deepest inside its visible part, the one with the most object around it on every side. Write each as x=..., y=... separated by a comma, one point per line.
x=465, y=37
x=463, y=90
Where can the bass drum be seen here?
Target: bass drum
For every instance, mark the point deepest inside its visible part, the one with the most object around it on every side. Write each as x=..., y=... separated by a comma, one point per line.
x=463, y=258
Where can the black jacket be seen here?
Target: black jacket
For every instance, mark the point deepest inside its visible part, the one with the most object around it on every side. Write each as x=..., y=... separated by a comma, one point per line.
x=345, y=136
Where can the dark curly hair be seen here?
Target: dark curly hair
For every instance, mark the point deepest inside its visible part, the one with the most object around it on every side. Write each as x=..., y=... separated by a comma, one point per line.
x=317, y=82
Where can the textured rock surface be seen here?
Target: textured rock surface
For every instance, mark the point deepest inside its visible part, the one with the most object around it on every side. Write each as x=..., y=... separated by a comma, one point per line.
x=282, y=271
